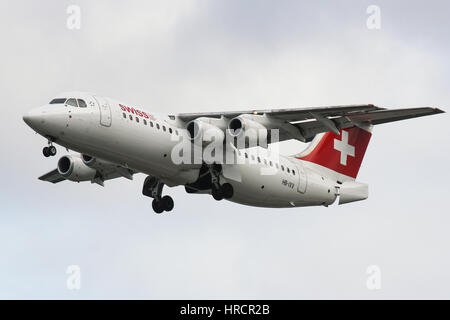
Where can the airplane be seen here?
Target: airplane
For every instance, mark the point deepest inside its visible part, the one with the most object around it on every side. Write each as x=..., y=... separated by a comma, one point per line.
x=112, y=139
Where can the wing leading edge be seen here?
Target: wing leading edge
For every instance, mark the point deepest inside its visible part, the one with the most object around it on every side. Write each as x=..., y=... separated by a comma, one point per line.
x=105, y=171
x=288, y=114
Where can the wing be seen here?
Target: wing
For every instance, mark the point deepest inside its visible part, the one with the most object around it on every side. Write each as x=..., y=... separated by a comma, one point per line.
x=105, y=171
x=304, y=123
x=52, y=176
x=310, y=129
x=290, y=114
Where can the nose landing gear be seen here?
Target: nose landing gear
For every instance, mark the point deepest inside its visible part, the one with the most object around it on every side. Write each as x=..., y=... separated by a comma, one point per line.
x=49, y=151
x=153, y=188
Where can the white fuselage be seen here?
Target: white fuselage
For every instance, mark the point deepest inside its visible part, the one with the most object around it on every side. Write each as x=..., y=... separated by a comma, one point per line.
x=105, y=129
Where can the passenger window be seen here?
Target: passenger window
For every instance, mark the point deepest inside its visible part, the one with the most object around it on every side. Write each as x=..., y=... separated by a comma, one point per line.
x=288, y=170
x=170, y=130
x=131, y=117
x=164, y=128
x=271, y=163
x=151, y=124
x=157, y=126
x=145, y=122
x=246, y=155
x=81, y=103
x=276, y=165
x=58, y=101
x=72, y=102
x=259, y=159
x=265, y=162
x=293, y=172
x=282, y=167
x=124, y=115
x=176, y=132
x=137, y=119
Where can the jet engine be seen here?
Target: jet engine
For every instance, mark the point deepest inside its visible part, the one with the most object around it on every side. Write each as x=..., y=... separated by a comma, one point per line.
x=105, y=169
x=203, y=131
x=88, y=160
x=74, y=169
x=96, y=163
x=248, y=132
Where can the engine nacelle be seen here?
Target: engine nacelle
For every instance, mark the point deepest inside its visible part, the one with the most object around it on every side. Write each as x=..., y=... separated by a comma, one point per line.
x=200, y=131
x=73, y=168
x=88, y=160
x=248, y=132
x=96, y=163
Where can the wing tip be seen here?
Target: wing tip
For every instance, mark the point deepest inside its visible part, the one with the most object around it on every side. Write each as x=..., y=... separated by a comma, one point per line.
x=52, y=177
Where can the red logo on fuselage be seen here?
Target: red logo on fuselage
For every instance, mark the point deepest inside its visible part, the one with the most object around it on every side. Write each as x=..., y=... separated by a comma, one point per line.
x=136, y=112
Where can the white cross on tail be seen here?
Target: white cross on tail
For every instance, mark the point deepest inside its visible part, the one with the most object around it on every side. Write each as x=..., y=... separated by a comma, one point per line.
x=344, y=148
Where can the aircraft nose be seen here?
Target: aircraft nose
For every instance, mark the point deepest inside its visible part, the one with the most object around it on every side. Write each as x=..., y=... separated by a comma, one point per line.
x=33, y=118
x=28, y=118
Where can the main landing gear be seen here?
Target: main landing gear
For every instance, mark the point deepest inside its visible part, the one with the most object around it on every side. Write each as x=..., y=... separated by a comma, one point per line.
x=218, y=191
x=153, y=189
x=224, y=191
x=209, y=179
x=49, y=151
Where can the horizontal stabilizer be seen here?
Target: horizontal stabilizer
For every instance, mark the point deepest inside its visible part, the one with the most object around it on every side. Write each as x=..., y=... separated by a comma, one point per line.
x=351, y=191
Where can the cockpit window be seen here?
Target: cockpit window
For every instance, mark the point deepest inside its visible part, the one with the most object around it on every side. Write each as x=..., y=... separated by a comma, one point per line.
x=58, y=100
x=81, y=103
x=72, y=102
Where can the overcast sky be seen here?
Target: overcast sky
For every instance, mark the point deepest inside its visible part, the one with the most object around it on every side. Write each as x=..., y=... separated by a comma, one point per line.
x=188, y=55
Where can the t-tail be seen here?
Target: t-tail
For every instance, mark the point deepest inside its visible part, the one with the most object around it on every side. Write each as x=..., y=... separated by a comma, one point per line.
x=338, y=155
x=342, y=154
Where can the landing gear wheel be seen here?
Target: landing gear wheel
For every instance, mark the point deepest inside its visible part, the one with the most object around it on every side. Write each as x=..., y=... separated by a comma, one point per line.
x=153, y=188
x=157, y=206
x=167, y=203
x=46, y=152
x=52, y=151
x=217, y=193
x=189, y=190
x=227, y=190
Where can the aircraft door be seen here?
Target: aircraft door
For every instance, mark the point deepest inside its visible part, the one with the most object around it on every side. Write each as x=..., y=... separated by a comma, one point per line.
x=302, y=178
x=105, y=111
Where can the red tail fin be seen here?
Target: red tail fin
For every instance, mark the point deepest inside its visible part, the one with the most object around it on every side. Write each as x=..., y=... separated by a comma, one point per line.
x=342, y=153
